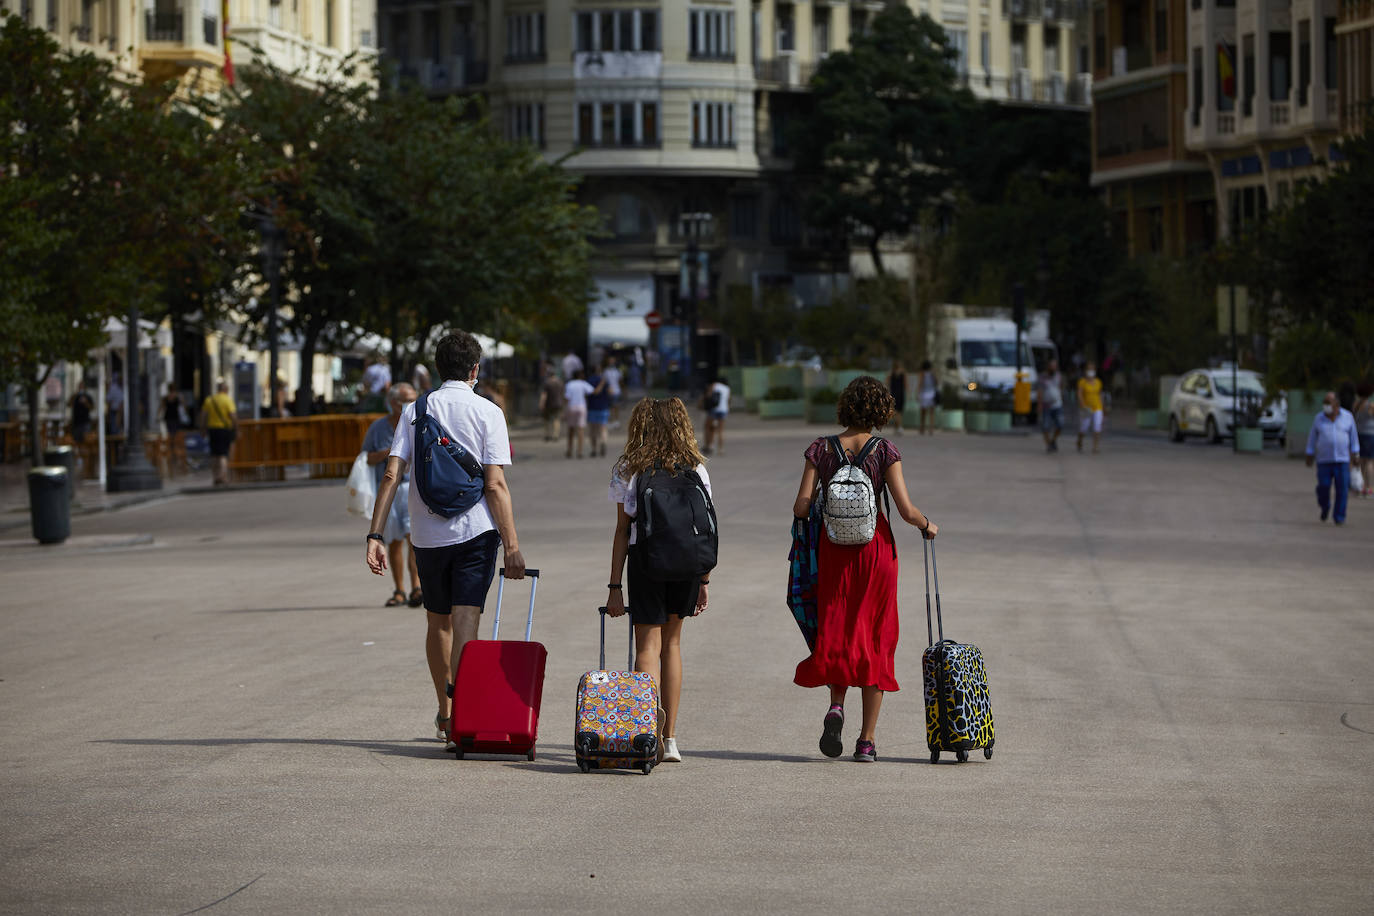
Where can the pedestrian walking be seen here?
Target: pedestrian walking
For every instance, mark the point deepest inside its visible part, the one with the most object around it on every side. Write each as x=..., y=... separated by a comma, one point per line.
x=598, y=412
x=1364, y=429
x=1334, y=446
x=896, y=386
x=550, y=402
x=572, y=364
x=114, y=407
x=856, y=590
x=613, y=377
x=1052, y=406
x=659, y=440
x=83, y=409
x=716, y=402
x=928, y=390
x=396, y=532
x=1090, y=406
x=376, y=381
x=171, y=412
x=455, y=557
x=575, y=393
x=219, y=421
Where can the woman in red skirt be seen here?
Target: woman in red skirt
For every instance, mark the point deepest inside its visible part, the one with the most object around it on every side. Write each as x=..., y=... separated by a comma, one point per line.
x=856, y=633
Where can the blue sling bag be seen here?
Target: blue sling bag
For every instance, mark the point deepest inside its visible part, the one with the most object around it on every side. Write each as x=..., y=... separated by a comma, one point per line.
x=447, y=476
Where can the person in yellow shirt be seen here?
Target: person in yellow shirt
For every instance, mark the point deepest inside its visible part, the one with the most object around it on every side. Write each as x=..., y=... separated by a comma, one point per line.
x=1090, y=406
x=220, y=421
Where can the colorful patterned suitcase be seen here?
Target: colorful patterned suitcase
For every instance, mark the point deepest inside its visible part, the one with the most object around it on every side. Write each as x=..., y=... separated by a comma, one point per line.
x=958, y=710
x=617, y=715
x=498, y=689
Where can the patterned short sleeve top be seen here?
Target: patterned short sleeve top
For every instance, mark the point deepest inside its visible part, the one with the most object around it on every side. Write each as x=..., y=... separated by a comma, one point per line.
x=822, y=454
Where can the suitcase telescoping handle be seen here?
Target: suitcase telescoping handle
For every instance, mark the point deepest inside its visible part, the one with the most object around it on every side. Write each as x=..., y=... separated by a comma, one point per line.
x=928, y=555
x=630, y=664
x=500, y=587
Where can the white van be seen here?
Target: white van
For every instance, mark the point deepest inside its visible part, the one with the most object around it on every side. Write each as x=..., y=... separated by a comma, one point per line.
x=978, y=355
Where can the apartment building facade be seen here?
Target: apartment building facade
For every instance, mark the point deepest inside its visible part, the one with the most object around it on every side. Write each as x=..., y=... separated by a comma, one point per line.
x=174, y=39
x=678, y=113
x=1160, y=193
x=1263, y=101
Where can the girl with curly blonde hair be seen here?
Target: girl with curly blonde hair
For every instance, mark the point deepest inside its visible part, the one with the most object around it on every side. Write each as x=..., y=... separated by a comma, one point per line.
x=856, y=586
x=659, y=436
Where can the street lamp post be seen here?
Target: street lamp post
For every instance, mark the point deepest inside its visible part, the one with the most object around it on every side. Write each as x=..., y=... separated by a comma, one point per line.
x=134, y=471
x=272, y=239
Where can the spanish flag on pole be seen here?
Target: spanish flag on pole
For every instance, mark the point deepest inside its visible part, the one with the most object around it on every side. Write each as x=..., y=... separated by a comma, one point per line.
x=1226, y=69
x=224, y=39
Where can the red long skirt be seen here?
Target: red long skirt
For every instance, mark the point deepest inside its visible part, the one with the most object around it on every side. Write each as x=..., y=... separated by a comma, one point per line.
x=856, y=615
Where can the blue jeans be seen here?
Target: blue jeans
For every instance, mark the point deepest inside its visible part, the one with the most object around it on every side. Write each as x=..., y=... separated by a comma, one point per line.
x=1327, y=473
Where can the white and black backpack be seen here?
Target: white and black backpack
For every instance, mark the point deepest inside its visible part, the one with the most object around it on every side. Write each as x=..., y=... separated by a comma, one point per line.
x=849, y=507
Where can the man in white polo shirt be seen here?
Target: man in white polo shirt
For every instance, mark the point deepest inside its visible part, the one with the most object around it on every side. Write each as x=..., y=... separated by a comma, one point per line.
x=456, y=556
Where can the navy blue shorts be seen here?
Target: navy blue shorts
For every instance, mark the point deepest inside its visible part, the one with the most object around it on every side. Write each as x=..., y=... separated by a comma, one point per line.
x=458, y=575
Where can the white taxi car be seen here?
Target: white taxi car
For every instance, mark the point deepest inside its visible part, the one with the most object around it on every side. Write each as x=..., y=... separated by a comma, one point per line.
x=1202, y=405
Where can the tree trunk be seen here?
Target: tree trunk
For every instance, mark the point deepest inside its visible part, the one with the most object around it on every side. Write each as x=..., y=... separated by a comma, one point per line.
x=877, y=257
x=304, y=395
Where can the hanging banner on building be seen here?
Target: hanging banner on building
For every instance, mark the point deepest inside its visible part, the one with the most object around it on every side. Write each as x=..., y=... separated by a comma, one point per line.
x=1226, y=69
x=224, y=40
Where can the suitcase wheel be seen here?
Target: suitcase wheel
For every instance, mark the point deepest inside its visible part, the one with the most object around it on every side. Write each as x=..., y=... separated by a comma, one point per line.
x=934, y=756
x=962, y=756
x=457, y=754
x=647, y=768
x=584, y=766
x=530, y=755
x=987, y=752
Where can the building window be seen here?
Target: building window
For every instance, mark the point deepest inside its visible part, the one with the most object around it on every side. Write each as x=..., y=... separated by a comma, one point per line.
x=1134, y=123
x=1226, y=77
x=985, y=50
x=820, y=30
x=744, y=218
x=524, y=37
x=1100, y=39
x=712, y=34
x=958, y=42
x=1280, y=65
x=624, y=124
x=1162, y=26
x=1330, y=25
x=1304, y=60
x=525, y=121
x=785, y=36
x=1051, y=52
x=1197, y=87
x=616, y=30
x=713, y=124
x=1247, y=74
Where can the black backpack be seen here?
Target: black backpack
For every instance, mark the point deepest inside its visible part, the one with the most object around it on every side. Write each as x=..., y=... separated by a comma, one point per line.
x=447, y=476
x=675, y=525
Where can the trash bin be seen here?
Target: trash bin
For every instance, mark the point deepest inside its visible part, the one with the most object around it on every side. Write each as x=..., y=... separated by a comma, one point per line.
x=63, y=456
x=49, y=505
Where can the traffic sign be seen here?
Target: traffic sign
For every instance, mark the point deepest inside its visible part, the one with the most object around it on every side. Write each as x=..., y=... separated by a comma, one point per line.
x=653, y=319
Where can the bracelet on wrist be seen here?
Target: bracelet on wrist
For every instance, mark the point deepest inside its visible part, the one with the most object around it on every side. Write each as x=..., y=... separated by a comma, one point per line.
x=614, y=585
x=374, y=536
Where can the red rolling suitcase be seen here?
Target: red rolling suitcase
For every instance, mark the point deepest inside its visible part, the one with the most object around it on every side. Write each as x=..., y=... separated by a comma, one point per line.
x=498, y=688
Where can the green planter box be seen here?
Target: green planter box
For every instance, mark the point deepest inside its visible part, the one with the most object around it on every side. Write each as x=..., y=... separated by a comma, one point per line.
x=734, y=378
x=774, y=410
x=753, y=382
x=839, y=378
x=998, y=422
x=821, y=413
x=951, y=419
x=785, y=377
x=1147, y=419
x=911, y=415
x=1249, y=440
x=976, y=421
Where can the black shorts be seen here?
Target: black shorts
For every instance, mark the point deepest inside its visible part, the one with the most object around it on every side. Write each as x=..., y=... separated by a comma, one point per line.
x=651, y=601
x=458, y=575
x=220, y=440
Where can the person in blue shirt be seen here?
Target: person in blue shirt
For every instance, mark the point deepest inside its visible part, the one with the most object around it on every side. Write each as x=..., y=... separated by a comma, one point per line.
x=1333, y=446
x=377, y=444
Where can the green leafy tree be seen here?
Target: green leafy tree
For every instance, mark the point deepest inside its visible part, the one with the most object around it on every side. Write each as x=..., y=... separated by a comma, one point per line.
x=886, y=130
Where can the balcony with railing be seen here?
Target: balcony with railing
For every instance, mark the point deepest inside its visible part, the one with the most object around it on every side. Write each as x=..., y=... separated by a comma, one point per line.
x=1019, y=88
x=178, y=35
x=164, y=25
x=1022, y=10
x=784, y=71
x=444, y=75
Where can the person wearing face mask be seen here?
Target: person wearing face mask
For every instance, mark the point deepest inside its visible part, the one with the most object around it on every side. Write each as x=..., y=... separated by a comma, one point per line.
x=1090, y=406
x=1333, y=446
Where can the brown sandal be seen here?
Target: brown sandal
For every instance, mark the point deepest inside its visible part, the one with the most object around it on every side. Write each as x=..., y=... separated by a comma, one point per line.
x=397, y=599
x=417, y=597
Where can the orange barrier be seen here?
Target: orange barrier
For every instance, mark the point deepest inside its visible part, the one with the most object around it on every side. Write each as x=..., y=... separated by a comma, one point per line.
x=327, y=444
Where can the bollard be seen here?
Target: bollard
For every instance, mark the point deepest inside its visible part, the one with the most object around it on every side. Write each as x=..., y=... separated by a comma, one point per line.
x=63, y=456
x=49, y=504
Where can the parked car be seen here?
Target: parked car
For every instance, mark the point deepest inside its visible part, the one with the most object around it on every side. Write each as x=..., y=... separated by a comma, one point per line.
x=1202, y=405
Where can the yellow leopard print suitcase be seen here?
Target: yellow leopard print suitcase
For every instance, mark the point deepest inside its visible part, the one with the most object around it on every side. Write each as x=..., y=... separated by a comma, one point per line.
x=958, y=709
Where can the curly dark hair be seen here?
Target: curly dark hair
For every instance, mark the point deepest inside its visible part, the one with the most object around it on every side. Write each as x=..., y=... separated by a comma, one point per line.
x=456, y=354
x=865, y=403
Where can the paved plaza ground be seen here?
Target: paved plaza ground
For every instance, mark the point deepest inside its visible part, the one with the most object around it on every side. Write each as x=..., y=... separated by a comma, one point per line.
x=206, y=708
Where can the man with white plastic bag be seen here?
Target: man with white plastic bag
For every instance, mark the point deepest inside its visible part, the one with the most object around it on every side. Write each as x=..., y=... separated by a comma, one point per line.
x=377, y=447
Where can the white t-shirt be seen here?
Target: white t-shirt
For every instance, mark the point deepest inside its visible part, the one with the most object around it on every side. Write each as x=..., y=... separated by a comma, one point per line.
x=474, y=423
x=575, y=394
x=623, y=492
x=723, y=405
x=611, y=375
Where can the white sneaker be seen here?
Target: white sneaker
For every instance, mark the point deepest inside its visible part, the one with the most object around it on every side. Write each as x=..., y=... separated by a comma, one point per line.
x=670, y=751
